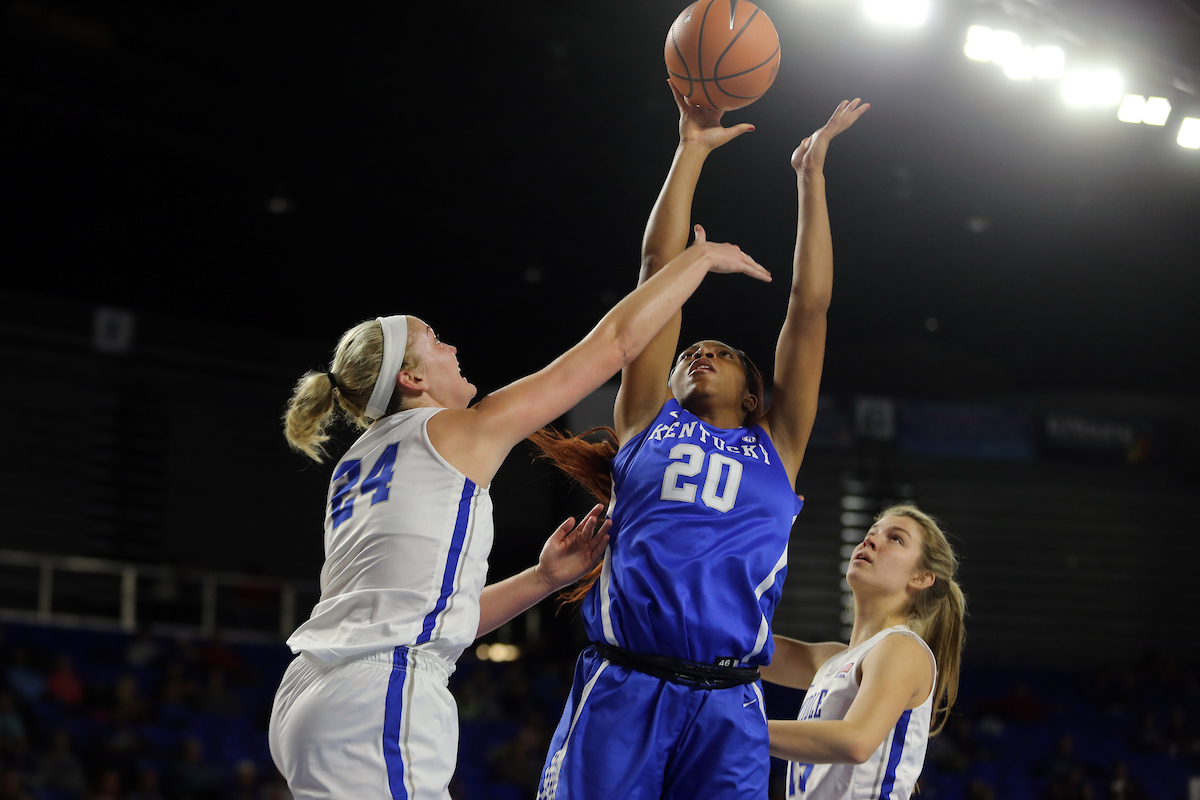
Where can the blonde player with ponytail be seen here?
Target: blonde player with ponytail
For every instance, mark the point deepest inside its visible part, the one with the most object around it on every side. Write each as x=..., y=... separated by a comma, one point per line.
x=363, y=711
x=872, y=705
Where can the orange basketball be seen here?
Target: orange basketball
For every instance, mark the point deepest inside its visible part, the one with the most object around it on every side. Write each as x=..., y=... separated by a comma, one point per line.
x=722, y=54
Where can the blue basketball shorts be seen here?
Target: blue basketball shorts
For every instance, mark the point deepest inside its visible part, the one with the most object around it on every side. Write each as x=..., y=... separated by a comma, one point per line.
x=630, y=735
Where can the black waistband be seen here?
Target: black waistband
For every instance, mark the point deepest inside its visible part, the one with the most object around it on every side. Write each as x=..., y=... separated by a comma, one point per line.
x=704, y=676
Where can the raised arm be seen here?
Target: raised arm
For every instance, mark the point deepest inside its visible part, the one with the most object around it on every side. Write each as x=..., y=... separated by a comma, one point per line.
x=567, y=556
x=644, y=381
x=476, y=440
x=896, y=675
x=800, y=351
x=795, y=663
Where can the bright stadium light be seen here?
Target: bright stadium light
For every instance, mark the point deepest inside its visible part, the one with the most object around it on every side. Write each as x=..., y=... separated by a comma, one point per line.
x=1157, y=110
x=979, y=43
x=1092, y=87
x=902, y=13
x=1132, y=108
x=1004, y=45
x=1048, y=62
x=1189, y=133
x=1020, y=64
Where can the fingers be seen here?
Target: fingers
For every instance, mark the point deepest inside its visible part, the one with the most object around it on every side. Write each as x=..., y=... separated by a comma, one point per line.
x=699, y=230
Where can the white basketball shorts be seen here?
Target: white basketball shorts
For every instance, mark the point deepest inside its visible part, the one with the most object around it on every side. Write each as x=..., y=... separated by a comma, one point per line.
x=382, y=725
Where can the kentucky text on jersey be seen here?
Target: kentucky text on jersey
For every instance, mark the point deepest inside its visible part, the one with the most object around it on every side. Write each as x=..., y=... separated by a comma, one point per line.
x=698, y=555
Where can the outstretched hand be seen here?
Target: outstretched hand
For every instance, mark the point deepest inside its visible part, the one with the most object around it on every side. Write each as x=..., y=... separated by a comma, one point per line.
x=572, y=550
x=723, y=257
x=810, y=155
x=703, y=125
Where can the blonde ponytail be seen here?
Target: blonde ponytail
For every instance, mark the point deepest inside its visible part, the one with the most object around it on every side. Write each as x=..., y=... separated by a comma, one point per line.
x=937, y=613
x=356, y=364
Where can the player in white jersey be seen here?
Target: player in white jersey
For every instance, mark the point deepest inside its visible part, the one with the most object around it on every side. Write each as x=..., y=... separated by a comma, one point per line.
x=872, y=705
x=364, y=711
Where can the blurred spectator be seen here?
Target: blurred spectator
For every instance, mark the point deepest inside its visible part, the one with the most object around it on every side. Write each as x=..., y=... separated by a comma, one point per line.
x=23, y=677
x=147, y=786
x=60, y=770
x=216, y=698
x=12, y=787
x=13, y=732
x=127, y=704
x=956, y=748
x=1178, y=733
x=1062, y=761
x=519, y=761
x=1071, y=786
x=1019, y=705
x=217, y=655
x=1149, y=737
x=108, y=786
x=245, y=782
x=143, y=651
x=63, y=684
x=193, y=776
x=980, y=790
x=1122, y=786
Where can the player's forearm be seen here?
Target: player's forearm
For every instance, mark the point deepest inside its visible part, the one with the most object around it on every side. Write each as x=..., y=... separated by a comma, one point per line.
x=669, y=225
x=504, y=600
x=812, y=265
x=791, y=664
x=819, y=741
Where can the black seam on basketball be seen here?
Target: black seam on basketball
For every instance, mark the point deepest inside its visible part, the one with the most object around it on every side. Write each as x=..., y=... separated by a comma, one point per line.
x=679, y=53
x=759, y=65
x=700, y=54
x=717, y=81
x=732, y=42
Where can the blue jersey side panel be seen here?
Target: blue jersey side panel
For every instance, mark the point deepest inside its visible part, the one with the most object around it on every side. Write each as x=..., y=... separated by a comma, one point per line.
x=698, y=548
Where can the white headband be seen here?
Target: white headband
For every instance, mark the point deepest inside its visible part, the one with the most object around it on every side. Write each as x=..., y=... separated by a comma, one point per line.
x=395, y=341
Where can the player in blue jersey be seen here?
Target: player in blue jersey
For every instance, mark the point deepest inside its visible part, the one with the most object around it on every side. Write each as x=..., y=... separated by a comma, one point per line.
x=364, y=710
x=872, y=705
x=667, y=702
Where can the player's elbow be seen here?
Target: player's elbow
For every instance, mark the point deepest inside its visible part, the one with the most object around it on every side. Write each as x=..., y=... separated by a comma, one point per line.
x=858, y=750
x=809, y=303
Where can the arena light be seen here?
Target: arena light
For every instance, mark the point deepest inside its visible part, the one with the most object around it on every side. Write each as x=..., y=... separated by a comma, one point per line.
x=1020, y=64
x=900, y=13
x=1158, y=110
x=1004, y=45
x=1132, y=108
x=1049, y=62
x=1092, y=87
x=1189, y=133
x=979, y=44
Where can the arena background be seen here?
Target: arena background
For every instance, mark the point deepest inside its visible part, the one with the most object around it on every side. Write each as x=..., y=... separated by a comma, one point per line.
x=196, y=200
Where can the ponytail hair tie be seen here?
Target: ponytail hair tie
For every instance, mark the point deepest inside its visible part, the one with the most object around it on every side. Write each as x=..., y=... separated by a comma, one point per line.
x=332, y=380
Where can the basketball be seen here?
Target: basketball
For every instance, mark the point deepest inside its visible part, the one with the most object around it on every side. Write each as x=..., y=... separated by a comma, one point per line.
x=722, y=54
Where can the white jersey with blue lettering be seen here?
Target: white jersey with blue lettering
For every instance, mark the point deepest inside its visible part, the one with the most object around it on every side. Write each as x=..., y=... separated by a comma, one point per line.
x=892, y=770
x=407, y=537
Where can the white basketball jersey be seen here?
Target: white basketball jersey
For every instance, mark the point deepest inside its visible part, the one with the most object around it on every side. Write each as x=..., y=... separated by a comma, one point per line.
x=407, y=538
x=892, y=771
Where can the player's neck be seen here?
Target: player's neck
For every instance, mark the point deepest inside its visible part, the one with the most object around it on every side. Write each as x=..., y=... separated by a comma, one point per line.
x=875, y=614
x=714, y=415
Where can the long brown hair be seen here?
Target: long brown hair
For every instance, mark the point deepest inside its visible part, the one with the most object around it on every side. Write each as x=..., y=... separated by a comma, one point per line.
x=587, y=459
x=937, y=612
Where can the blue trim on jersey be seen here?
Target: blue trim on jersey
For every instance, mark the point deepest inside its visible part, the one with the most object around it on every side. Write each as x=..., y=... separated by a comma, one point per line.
x=889, y=776
x=456, y=545
x=393, y=712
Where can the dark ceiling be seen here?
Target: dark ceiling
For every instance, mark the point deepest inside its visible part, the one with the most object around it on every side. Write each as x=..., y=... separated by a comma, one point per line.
x=489, y=166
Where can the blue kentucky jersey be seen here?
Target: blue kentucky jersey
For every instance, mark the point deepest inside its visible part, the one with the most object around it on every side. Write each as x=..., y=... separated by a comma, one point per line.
x=698, y=550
